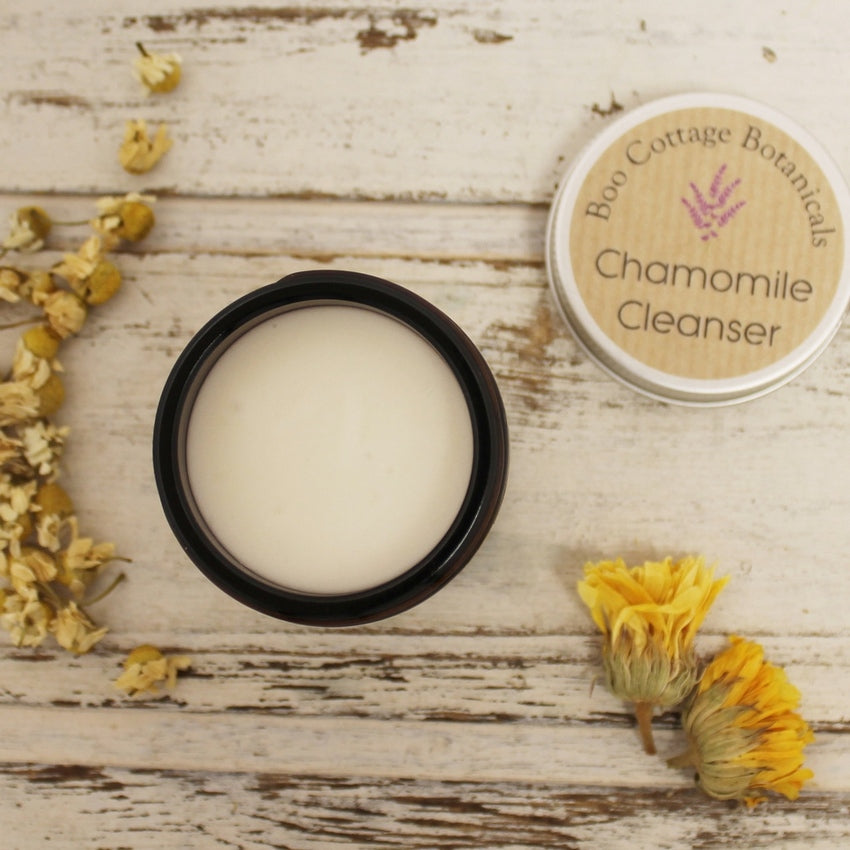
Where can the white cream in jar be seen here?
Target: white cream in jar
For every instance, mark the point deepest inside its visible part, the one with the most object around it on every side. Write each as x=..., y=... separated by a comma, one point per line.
x=329, y=449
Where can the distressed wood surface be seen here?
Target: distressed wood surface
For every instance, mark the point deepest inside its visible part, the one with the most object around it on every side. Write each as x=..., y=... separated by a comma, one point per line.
x=422, y=145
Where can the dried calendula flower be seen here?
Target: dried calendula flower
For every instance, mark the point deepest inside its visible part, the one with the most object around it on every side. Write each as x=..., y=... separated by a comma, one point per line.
x=744, y=734
x=29, y=227
x=146, y=668
x=139, y=153
x=649, y=616
x=130, y=217
x=157, y=72
x=73, y=629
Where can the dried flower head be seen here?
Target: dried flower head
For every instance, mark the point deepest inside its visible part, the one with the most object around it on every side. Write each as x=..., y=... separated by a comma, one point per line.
x=157, y=72
x=73, y=629
x=51, y=395
x=27, y=620
x=28, y=228
x=27, y=366
x=138, y=152
x=65, y=313
x=745, y=736
x=82, y=559
x=18, y=402
x=37, y=286
x=41, y=341
x=93, y=278
x=649, y=616
x=130, y=217
x=146, y=668
x=10, y=283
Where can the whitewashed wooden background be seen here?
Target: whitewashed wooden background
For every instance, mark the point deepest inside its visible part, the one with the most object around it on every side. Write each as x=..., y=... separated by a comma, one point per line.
x=422, y=144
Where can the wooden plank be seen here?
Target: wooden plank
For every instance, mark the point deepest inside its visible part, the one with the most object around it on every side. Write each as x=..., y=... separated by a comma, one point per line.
x=596, y=470
x=470, y=101
x=68, y=805
x=454, y=751
x=319, y=230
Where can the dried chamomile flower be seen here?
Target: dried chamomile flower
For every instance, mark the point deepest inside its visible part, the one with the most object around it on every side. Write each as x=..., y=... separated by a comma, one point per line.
x=37, y=286
x=102, y=284
x=93, y=278
x=157, y=72
x=10, y=283
x=42, y=444
x=11, y=453
x=27, y=366
x=26, y=620
x=649, y=616
x=65, y=313
x=18, y=283
x=29, y=227
x=73, y=629
x=51, y=395
x=41, y=341
x=48, y=531
x=18, y=402
x=138, y=152
x=15, y=503
x=30, y=570
x=744, y=734
x=82, y=559
x=52, y=506
x=52, y=498
x=130, y=217
x=146, y=668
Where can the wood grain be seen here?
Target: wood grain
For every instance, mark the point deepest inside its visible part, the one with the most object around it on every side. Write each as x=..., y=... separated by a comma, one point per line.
x=477, y=101
x=422, y=145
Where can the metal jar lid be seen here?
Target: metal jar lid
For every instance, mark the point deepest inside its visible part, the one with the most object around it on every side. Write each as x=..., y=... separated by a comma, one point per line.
x=696, y=249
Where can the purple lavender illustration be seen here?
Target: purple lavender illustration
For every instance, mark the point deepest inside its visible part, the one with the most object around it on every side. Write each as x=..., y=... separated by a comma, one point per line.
x=713, y=211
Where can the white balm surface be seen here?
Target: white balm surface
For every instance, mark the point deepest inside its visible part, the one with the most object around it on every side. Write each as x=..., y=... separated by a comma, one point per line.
x=329, y=449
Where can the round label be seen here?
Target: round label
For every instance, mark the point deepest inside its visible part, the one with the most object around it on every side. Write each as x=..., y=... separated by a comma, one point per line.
x=699, y=249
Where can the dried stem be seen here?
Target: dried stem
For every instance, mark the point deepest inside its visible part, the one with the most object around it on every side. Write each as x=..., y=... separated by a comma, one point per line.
x=104, y=593
x=643, y=714
x=685, y=759
x=21, y=322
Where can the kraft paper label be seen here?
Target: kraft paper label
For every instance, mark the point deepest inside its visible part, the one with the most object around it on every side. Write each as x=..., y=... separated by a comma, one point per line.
x=706, y=243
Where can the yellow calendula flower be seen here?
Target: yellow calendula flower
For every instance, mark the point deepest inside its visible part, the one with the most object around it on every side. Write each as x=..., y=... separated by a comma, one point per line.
x=138, y=152
x=745, y=736
x=649, y=616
